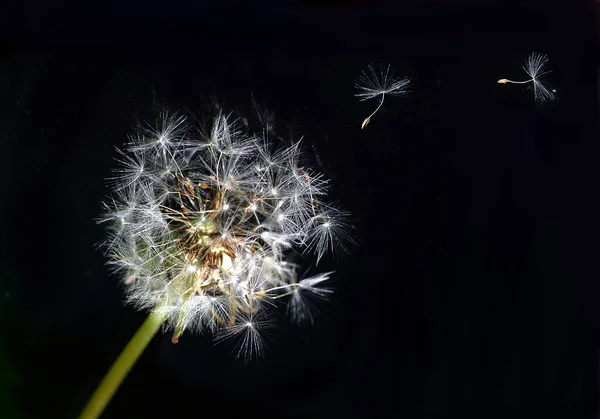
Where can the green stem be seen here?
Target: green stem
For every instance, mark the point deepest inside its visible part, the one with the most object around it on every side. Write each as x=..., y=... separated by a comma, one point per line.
x=119, y=370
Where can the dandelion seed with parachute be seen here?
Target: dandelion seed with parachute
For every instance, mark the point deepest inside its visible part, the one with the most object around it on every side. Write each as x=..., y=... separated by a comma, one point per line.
x=536, y=67
x=374, y=84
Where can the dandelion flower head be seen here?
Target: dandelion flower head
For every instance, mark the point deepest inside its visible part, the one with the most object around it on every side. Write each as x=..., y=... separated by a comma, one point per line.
x=201, y=227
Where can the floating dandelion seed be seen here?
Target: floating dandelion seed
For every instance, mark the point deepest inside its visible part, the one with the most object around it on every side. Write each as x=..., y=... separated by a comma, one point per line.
x=373, y=84
x=201, y=229
x=536, y=68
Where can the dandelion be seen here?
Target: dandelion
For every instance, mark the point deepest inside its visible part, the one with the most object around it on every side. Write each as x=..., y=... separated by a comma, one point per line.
x=375, y=84
x=536, y=68
x=201, y=229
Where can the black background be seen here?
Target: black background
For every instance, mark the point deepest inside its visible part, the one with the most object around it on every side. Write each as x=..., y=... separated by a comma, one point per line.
x=472, y=291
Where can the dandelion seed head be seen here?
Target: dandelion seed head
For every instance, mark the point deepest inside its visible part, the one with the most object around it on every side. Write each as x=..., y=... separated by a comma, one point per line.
x=200, y=228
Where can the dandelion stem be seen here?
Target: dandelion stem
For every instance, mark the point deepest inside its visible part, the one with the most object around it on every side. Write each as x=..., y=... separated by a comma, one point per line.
x=368, y=118
x=504, y=81
x=380, y=103
x=121, y=367
x=293, y=284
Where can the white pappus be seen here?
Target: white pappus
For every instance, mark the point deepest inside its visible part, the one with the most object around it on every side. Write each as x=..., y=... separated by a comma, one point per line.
x=201, y=223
